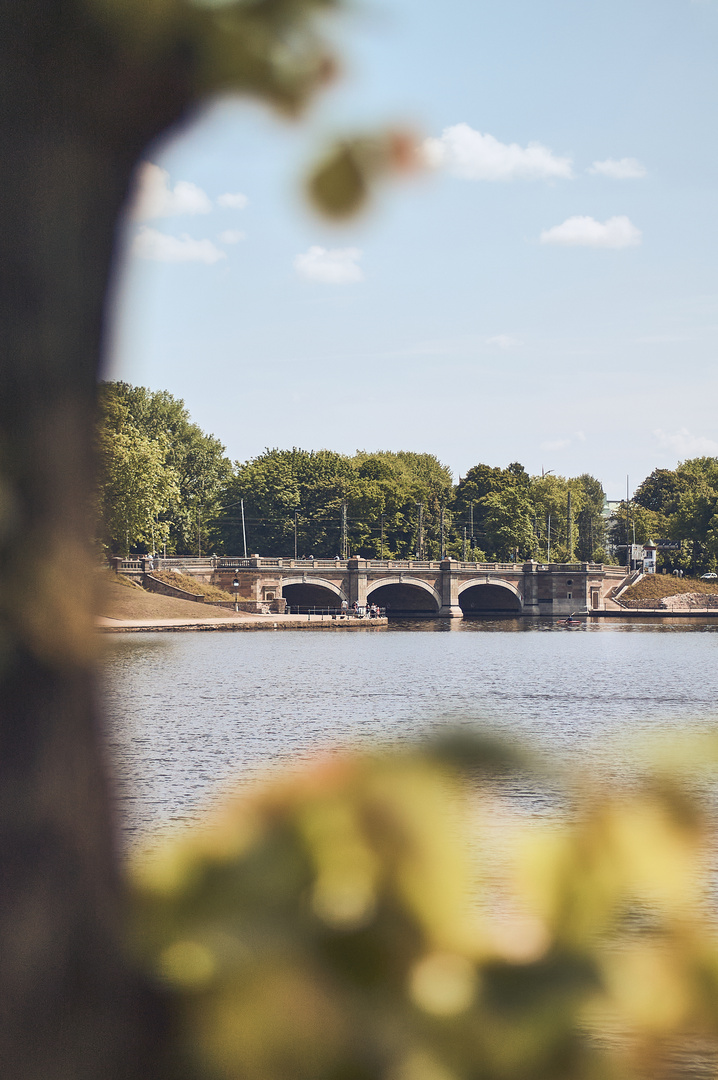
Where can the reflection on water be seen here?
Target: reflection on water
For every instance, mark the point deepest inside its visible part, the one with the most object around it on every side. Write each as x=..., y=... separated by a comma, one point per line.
x=508, y=623
x=187, y=712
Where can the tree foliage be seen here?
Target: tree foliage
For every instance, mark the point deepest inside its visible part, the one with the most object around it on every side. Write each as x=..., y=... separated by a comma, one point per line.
x=679, y=504
x=167, y=483
x=508, y=523
x=368, y=917
x=162, y=478
x=314, y=486
x=137, y=483
x=515, y=515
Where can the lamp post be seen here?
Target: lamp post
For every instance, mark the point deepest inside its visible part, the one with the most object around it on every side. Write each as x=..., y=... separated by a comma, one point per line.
x=420, y=531
x=235, y=583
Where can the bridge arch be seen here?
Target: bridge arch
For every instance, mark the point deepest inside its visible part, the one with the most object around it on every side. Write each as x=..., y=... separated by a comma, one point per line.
x=485, y=597
x=404, y=597
x=318, y=592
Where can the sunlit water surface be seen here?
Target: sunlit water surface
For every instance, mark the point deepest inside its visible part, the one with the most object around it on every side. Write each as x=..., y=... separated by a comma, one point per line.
x=190, y=712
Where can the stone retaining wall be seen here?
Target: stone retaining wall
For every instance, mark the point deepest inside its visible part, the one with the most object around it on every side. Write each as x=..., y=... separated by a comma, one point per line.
x=153, y=584
x=256, y=607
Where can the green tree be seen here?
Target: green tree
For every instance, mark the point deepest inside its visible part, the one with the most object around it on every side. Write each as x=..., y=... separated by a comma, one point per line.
x=469, y=506
x=278, y=487
x=197, y=461
x=314, y=485
x=635, y=523
x=590, y=520
x=137, y=484
x=695, y=520
x=685, y=504
x=549, y=496
x=661, y=490
x=508, y=523
x=410, y=478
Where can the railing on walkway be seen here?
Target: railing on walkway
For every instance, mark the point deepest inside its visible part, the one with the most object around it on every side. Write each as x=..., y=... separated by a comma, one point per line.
x=185, y=562
x=337, y=613
x=318, y=564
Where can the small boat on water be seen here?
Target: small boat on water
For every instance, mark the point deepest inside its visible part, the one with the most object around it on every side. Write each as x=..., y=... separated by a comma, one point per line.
x=571, y=622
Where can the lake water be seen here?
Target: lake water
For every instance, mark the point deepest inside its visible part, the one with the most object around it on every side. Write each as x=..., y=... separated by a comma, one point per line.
x=188, y=712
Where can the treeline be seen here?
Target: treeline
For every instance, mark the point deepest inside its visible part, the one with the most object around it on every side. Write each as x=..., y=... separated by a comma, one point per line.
x=399, y=505
x=679, y=505
x=166, y=486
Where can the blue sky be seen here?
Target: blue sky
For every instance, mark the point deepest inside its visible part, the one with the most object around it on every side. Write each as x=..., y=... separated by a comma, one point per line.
x=547, y=292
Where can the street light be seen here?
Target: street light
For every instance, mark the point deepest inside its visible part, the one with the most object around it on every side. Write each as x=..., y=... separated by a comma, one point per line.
x=420, y=531
x=235, y=583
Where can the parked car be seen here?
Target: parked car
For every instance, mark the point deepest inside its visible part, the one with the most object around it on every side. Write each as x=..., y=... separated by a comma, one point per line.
x=709, y=577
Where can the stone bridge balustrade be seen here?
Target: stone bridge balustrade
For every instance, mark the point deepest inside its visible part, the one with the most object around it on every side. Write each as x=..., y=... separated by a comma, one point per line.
x=446, y=589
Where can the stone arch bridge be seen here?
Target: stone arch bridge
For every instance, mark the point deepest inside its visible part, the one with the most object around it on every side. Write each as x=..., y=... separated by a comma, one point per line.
x=446, y=589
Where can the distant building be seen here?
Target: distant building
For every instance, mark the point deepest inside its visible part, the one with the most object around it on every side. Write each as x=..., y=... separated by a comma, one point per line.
x=650, y=552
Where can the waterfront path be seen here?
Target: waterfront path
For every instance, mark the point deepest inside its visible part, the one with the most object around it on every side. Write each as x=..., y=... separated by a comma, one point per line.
x=239, y=622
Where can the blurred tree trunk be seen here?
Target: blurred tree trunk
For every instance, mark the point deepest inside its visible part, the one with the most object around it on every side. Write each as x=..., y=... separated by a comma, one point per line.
x=75, y=117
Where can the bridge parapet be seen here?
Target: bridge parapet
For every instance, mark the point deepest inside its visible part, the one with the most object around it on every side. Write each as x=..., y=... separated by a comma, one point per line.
x=293, y=564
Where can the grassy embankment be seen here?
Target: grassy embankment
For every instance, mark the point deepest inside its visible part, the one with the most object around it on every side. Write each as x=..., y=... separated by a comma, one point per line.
x=657, y=586
x=191, y=585
x=118, y=598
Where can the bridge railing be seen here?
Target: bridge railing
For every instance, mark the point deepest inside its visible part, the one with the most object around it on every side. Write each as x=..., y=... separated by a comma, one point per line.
x=319, y=564
x=232, y=564
x=401, y=564
x=361, y=612
x=315, y=564
x=184, y=563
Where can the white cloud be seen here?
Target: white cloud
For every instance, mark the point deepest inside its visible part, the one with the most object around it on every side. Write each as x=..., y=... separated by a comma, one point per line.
x=338, y=266
x=686, y=445
x=155, y=198
x=156, y=245
x=235, y=201
x=616, y=232
x=231, y=236
x=556, y=444
x=468, y=154
x=627, y=168
x=505, y=342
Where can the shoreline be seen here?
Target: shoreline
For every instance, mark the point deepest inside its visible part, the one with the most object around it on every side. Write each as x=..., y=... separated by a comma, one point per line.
x=107, y=625
x=654, y=613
